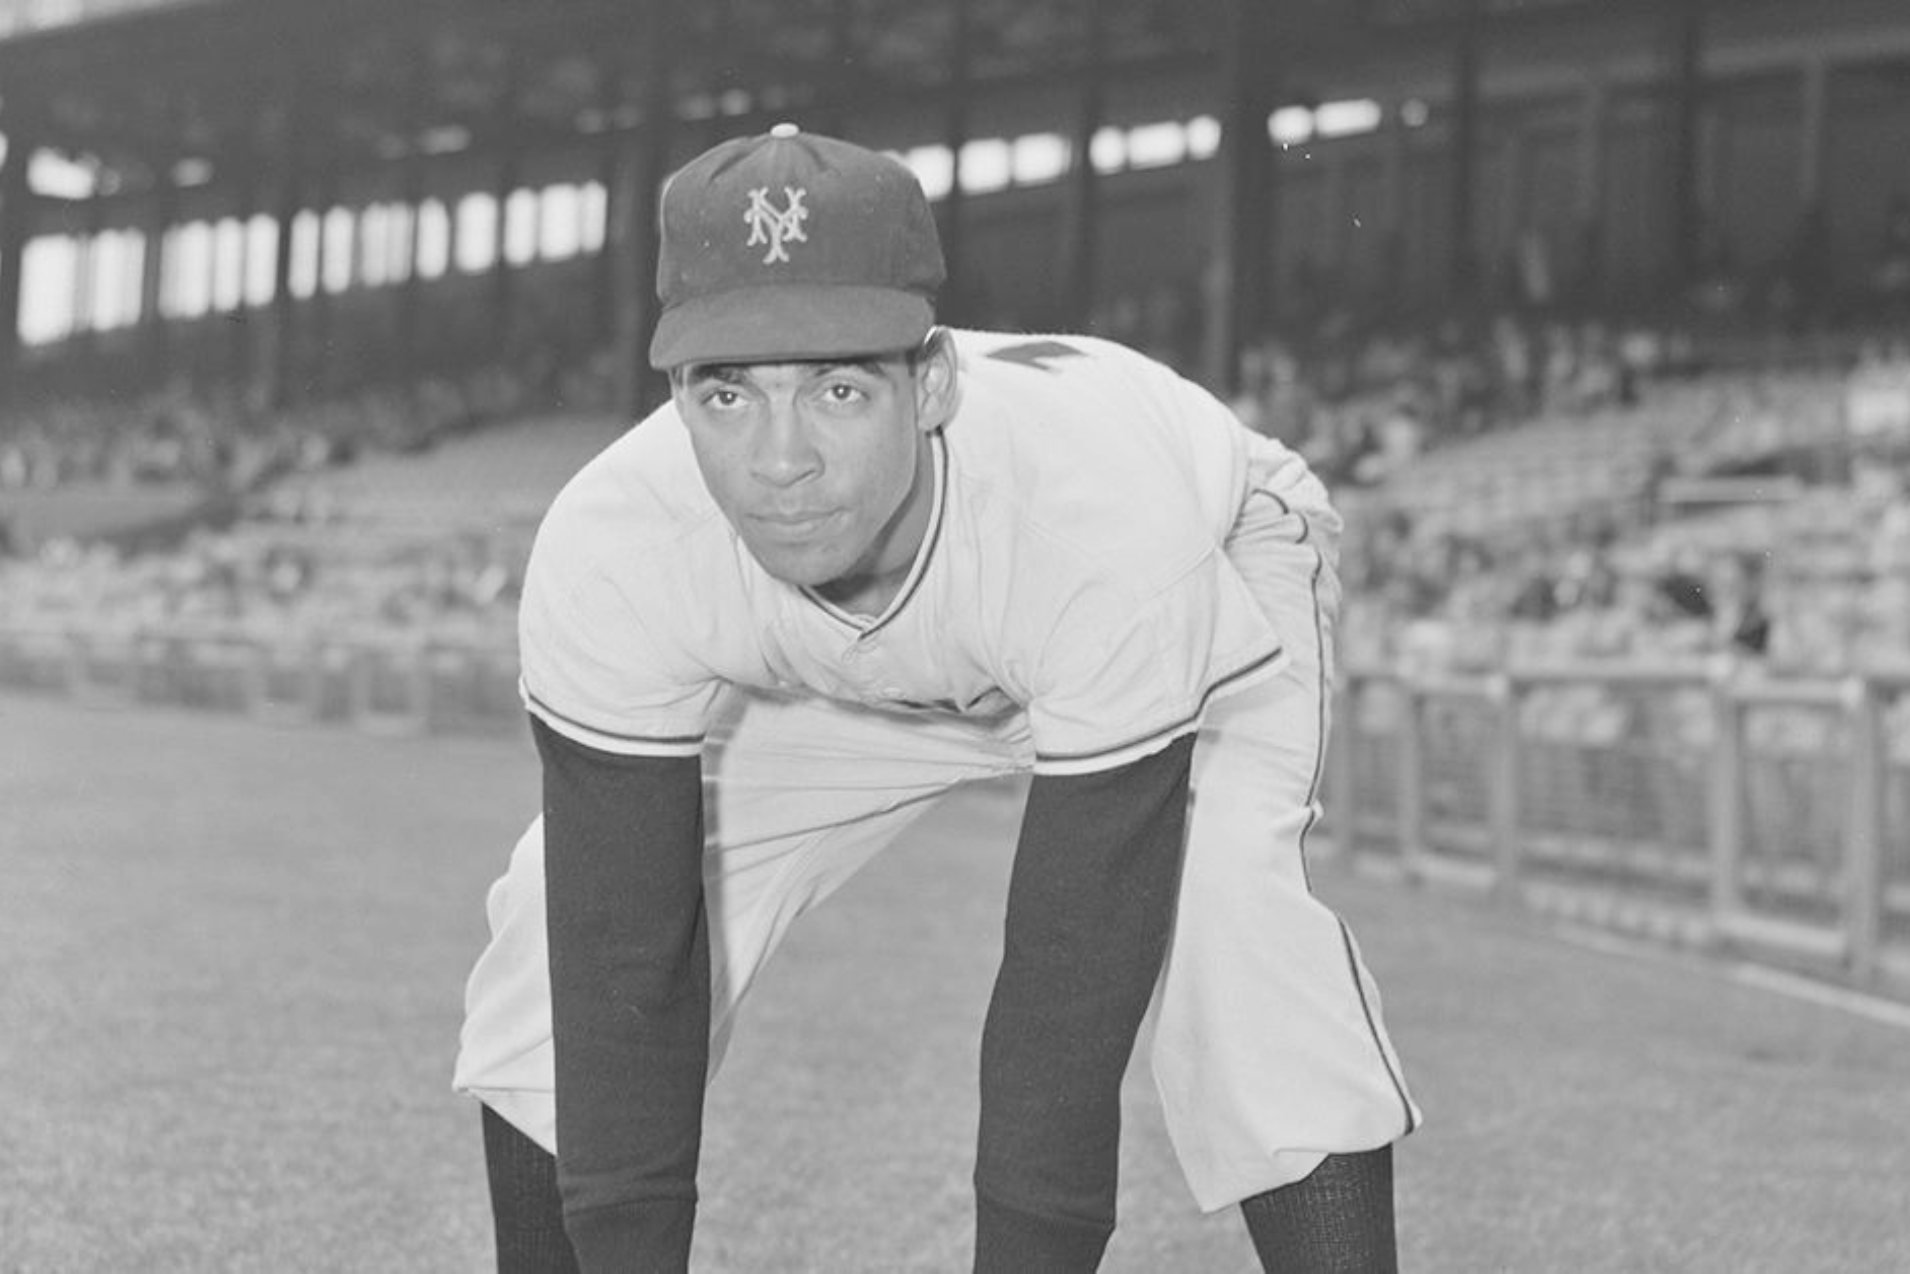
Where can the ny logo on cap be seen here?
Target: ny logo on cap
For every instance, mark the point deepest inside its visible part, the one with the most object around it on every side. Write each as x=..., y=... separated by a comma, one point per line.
x=776, y=226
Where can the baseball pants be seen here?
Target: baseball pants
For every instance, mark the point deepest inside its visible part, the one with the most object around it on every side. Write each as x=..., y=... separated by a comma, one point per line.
x=1269, y=1049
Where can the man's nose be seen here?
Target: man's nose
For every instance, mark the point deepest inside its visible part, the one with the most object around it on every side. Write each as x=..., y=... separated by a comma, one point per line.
x=785, y=451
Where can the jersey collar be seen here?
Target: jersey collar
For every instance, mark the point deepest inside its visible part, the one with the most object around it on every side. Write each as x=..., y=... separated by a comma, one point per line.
x=863, y=624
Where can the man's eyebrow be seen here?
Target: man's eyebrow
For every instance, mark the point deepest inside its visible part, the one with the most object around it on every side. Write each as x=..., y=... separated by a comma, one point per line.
x=728, y=373
x=872, y=364
x=737, y=373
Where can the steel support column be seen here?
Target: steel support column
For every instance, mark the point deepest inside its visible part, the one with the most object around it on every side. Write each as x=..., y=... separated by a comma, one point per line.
x=1081, y=227
x=86, y=276
x=959, y=300
x=410, y=297
x=1237, y=281
x=242, y=351
x=503, y=276
x=1463, y=192
x=1813, y=134
x=643, y=161
x=16, y=222
x=1687, y=106
x=279, y=364
x=1587, y=287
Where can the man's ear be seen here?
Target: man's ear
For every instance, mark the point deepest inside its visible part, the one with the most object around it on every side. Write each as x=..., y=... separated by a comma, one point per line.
x=937, y=380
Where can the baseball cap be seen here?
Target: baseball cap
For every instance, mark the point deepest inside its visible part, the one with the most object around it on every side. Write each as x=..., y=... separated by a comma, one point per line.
x=792, y=245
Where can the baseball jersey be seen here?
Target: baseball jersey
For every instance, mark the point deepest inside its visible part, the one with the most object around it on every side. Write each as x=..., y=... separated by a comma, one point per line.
x=1072, y=569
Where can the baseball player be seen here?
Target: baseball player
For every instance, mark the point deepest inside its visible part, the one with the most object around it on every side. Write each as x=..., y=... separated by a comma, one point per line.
x=859, y=559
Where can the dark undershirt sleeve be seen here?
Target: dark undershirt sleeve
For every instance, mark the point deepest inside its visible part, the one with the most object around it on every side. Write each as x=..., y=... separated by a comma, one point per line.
x=1090, y=907
x=630, y=997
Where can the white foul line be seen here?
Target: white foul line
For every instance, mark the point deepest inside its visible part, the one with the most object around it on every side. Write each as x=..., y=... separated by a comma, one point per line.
x=1859, y=1003
x=1874, y=1007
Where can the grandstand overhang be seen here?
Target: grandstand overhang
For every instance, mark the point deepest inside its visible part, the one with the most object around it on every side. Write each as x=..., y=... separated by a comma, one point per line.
x=231, y=108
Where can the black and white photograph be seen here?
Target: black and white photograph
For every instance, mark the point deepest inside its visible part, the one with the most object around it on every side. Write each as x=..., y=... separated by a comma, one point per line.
x=955, y=636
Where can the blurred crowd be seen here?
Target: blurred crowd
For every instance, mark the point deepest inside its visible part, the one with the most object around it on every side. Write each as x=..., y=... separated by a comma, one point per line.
x=1819, y=585
x=274, y=562
x=217, y=439
x=272, y=586
x=220, y=438
x=1587, y=558
x=1527, y=486
x=1362, y=407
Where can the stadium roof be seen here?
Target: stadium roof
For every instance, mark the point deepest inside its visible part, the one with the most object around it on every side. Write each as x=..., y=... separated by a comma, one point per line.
x=236, y=83
x=221, y=80
x=17, y=16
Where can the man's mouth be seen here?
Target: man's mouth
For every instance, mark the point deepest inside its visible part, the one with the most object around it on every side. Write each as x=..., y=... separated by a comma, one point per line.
x=794, y=525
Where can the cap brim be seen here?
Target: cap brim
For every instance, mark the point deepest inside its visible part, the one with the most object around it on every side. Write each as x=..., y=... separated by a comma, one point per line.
x=790, y=321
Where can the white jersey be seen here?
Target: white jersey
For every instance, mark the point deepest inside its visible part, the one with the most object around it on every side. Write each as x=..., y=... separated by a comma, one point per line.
x=1041, y=585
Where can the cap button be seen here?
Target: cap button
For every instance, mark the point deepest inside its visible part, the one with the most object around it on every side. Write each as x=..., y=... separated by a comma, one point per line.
x=784, y=130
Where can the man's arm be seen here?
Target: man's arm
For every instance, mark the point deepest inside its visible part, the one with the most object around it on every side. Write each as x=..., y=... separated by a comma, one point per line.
x=1090, y=907
x=630, y=998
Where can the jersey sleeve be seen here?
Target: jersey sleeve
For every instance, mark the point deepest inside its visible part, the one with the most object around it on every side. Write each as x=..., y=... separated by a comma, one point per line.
x=598, y=665
x=629, y=995
x=1120, y=676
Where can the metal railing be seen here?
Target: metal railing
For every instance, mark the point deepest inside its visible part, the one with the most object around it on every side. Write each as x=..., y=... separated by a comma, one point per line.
x=1767, y=815
x=386, y=683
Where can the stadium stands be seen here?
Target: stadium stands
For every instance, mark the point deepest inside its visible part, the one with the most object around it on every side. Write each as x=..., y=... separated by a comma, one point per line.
x=505, y=473
x=1659, y=647
x=369, y=570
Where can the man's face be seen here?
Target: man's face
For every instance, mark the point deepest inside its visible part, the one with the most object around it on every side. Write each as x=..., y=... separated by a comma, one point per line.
x=814, y=463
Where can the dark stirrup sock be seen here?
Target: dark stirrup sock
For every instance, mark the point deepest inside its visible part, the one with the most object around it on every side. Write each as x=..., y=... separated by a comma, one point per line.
x=1339, y=1220
x=526, y=1211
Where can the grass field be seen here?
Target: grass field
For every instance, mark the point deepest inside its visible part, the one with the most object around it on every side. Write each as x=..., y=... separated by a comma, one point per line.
x=233, y=964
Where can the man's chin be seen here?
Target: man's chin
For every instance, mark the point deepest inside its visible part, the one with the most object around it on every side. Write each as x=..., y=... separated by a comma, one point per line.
x=796, y=568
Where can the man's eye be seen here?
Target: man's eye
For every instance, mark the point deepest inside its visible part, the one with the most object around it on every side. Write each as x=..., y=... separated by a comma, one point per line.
x=840, y=392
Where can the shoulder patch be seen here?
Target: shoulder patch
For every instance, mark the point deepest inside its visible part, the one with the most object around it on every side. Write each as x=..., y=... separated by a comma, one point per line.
x=1036, y=354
